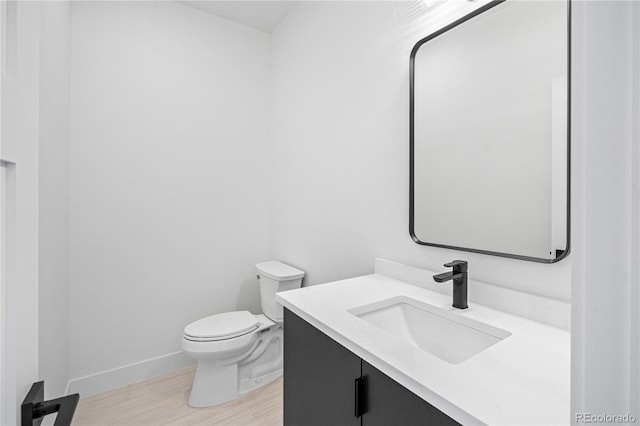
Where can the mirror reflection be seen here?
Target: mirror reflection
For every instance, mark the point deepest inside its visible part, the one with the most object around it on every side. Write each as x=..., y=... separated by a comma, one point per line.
x=489, y=133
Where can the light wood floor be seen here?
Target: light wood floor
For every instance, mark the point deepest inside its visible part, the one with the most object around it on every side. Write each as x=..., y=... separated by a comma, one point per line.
x=163, y=401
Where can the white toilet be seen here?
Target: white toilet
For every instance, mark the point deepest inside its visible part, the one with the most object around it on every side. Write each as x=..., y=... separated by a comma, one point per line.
x=238, y=351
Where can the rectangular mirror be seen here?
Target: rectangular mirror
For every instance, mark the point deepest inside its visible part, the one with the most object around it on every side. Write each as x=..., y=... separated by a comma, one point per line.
x=489, y=132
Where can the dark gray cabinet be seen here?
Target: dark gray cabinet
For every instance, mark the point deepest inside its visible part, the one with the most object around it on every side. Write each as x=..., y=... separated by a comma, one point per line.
x=326, y=384
x=319, y=377
x=390, y=403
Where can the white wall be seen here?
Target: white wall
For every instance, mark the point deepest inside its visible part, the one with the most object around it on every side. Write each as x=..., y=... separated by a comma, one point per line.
x=340, y=140
x=606, y=216
x=634, y=299
x=55, y=43
x=20, y=145
x=169, y=190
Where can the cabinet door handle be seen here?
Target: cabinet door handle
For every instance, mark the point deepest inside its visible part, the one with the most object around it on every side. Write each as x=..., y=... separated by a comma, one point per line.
x=359, y=397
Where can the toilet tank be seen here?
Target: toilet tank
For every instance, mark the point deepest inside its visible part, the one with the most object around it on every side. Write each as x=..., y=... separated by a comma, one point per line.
x=274, y=277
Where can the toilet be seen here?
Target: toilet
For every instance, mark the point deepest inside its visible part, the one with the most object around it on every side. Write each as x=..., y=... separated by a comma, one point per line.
x=238, y=351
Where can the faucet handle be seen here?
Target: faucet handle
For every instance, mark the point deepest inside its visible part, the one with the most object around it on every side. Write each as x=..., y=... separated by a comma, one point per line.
x=458, y=265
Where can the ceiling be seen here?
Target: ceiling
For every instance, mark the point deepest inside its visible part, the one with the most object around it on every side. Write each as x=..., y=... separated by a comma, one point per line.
x=261, y=15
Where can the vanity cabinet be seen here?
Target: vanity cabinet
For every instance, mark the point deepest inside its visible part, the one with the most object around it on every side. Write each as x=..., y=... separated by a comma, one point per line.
x=326, y=384
x=319, y=377
x=390, y=403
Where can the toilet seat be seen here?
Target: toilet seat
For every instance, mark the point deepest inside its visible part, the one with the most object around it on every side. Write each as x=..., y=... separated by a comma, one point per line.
x=225, y=326
x=234, y=344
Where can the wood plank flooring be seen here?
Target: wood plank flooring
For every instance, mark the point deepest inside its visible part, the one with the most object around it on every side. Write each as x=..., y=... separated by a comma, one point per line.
x=163, y=401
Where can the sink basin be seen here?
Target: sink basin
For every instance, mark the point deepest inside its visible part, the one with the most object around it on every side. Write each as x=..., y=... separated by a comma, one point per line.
x=446, y=334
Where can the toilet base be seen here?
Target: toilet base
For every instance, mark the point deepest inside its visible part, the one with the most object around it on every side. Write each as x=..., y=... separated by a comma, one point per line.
x=220, y=380
x=250, y=384
x=213, y=384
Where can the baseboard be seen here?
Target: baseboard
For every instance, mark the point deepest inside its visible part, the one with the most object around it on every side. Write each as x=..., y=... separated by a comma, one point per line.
x=127, y=374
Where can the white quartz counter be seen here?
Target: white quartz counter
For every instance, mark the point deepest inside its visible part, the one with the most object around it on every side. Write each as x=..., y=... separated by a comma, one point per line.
x=524, y=379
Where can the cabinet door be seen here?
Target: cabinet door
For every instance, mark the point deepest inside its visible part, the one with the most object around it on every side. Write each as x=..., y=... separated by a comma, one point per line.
x=389, y=403
x=319, y=377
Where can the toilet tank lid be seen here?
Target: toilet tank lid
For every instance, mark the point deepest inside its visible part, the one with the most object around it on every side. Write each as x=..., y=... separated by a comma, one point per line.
x=279, y=271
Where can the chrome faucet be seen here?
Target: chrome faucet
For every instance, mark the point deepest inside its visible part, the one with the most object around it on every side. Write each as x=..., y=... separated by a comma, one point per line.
x=459, y=277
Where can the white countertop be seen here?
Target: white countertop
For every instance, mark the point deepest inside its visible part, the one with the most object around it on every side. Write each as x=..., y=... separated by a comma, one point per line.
x=524, y=379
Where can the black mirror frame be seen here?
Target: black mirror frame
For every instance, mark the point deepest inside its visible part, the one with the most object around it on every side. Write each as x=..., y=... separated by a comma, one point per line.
x=559, y=254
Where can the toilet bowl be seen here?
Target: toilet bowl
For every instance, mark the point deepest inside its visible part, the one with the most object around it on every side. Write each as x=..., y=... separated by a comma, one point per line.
x=238, y=351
